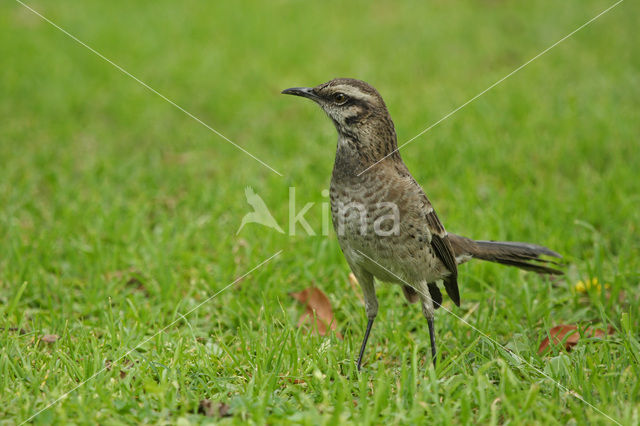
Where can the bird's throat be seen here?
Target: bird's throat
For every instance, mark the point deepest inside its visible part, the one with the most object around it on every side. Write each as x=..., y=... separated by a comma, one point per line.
x=355, y=155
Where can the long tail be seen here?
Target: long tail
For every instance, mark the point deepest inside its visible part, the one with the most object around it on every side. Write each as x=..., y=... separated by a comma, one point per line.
x=522, y=255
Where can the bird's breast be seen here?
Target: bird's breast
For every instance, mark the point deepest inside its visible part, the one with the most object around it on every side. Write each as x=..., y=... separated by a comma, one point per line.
x=380, y=226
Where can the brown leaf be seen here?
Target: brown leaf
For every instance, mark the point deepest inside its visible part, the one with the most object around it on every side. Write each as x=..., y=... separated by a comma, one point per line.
x=213, y=409
x=569, y=334
x=318, y=307
x=50, y=338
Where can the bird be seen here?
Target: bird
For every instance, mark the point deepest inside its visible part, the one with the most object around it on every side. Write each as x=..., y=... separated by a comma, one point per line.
x=386, y=226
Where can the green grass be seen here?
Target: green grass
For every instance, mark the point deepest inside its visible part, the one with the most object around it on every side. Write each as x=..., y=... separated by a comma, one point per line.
x=118, y=213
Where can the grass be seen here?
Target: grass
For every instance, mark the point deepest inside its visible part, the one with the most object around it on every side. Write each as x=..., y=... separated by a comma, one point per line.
x=119, y=213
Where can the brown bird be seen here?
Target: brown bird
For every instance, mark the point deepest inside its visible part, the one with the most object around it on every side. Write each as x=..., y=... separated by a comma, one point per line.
x=386, y=225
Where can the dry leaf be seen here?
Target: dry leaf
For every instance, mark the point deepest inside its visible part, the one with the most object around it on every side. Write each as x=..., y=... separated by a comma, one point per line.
x=50, y=338
x=572, y=335
x=317, y=307
x=213, y=409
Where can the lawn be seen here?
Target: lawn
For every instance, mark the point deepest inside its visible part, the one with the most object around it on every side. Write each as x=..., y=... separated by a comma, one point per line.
x=119, y=212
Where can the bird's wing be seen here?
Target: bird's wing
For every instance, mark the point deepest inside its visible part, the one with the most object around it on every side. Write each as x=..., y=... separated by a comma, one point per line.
x=442, y=248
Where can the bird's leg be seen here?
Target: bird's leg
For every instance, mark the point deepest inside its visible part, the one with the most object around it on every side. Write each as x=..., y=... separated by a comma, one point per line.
x=429, y=312
x=364, y=342
x=432, y=336
x=365, y=279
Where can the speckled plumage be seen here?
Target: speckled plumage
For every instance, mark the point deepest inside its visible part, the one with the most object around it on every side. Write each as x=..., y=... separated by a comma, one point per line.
x=386, y=225
x=406, y=255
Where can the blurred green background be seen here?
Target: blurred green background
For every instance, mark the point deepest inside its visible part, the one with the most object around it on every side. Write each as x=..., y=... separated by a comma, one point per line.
x=118, y=212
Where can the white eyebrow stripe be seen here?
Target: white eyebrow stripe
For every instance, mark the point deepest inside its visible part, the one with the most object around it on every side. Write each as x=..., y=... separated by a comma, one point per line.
x=353, y=92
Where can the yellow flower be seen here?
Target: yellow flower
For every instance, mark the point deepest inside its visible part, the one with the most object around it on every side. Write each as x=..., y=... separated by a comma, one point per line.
x=583, y=287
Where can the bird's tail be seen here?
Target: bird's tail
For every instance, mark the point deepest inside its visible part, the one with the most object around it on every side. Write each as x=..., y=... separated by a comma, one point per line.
x=522, y=255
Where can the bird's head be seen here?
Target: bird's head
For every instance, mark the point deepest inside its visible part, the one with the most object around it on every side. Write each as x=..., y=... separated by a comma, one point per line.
x=355, y=107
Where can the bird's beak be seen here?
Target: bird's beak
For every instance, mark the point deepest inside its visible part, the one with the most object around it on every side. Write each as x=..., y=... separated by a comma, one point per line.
x=305, y=92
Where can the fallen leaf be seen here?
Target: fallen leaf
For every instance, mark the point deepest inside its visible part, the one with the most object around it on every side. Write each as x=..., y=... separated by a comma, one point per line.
x=213, y=409
x=50, y=338
x=318, y=308
x=569, y=334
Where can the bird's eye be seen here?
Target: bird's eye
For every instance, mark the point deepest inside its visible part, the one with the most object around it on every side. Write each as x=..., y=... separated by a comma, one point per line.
x=340, y=98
